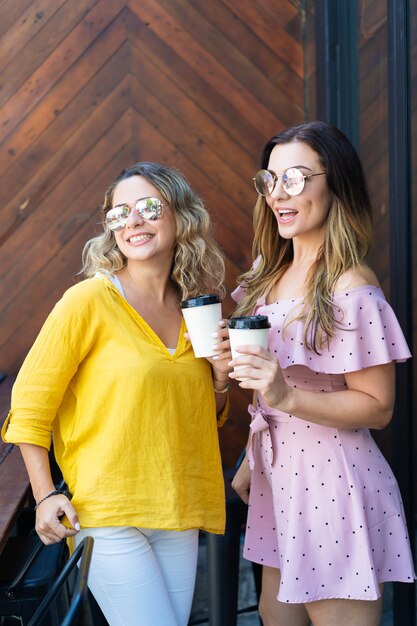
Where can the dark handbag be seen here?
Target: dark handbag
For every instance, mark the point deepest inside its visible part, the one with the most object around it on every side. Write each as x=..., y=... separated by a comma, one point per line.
x=27, y=570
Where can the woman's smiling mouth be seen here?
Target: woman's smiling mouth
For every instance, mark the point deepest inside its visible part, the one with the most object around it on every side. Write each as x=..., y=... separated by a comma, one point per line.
x=286, y=215
x=139, y=238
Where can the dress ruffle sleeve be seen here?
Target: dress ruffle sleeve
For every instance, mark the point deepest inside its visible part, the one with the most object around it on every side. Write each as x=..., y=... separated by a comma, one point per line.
x=238, y=293
x=368, y=334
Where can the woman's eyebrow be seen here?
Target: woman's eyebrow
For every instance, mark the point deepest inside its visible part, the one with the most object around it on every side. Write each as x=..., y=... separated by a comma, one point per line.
x=305, y=167
x=137, y=200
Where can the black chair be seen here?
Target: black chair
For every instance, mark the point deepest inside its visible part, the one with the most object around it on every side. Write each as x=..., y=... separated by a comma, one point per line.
x=78, y=594
x=27, y=570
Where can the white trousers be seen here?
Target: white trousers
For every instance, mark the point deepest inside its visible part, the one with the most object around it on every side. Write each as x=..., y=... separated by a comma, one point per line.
x=143, y=577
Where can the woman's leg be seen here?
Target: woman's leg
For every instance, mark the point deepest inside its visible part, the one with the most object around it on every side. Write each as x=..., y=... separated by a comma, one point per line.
x=275, y=613
x=177, y=553
x=126, y=578
x=320, y=613
x=346, y=612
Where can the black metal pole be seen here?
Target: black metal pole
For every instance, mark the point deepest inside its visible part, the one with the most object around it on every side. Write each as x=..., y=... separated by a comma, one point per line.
x=336, y=36
x=401, y=271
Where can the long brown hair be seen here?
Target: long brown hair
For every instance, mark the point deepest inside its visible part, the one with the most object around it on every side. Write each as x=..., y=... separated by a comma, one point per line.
x=347, y=239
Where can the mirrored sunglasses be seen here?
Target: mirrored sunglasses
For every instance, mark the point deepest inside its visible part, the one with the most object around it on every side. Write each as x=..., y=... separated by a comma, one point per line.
x=149, y=209
x=292, y=180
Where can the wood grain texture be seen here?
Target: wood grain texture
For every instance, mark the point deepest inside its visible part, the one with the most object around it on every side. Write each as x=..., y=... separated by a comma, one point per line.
x=373, y=90
x=91, y=86
x=14, y=479
x=15, y=488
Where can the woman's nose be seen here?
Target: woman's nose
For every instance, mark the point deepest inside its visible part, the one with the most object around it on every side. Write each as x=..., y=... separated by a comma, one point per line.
x=278, y=191
x=134, y=219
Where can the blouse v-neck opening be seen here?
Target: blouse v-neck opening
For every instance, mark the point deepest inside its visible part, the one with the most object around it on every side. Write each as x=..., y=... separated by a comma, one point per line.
x=114, y=283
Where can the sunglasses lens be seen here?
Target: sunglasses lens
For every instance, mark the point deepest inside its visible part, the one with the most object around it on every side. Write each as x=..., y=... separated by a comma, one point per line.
x=264, y=182
x=116, y=218
x=149, y=208
x=293, y=181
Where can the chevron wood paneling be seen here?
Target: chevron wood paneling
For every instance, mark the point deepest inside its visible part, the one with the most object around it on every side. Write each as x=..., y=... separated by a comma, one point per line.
x=91, y=86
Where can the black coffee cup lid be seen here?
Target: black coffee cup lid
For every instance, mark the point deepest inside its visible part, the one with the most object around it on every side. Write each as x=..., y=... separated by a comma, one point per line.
x=209, y=298
x=251, y=321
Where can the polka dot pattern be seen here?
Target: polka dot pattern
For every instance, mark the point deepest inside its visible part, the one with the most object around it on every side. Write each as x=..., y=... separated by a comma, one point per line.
x=324, y=505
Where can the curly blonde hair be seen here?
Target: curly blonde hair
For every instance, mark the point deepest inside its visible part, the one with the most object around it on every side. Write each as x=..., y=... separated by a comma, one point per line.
x=198, y=266
x=347, y=237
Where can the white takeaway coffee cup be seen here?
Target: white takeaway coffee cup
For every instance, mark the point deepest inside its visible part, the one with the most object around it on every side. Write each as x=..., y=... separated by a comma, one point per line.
x=252, y=330
x=202, y=315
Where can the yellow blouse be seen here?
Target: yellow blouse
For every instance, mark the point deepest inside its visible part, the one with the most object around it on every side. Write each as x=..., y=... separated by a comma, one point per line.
x=134, y=427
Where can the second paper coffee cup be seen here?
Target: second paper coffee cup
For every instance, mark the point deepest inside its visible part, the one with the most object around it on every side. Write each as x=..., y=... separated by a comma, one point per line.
x=252, y=330
x=202, y=315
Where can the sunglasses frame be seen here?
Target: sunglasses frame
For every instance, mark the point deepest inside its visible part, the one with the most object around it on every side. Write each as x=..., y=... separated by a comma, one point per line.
x=276, y=177
x=121, y=223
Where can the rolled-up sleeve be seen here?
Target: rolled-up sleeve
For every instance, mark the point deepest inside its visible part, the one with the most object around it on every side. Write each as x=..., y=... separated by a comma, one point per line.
x=43, y=380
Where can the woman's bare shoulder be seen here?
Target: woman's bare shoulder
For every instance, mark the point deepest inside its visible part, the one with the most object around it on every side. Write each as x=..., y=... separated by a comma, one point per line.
x=356, y=277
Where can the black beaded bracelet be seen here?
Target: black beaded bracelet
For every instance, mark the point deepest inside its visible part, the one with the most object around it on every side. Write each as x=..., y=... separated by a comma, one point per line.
x=56, y=492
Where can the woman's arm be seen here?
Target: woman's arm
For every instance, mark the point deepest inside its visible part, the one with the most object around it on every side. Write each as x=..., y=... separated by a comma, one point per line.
x=220, y=365
x=50, y=510
x=367, y=402
x=242, y=480
x=221, y=384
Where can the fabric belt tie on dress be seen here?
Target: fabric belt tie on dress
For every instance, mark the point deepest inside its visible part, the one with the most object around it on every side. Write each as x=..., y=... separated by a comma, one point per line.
x=258, y=424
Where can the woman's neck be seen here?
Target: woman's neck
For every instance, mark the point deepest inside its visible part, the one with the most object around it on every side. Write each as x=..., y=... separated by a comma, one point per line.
x=154, y=284
x=305, y=250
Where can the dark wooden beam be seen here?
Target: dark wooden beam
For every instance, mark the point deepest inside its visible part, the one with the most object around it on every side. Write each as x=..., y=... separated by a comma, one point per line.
x=399, y=129
x=336, y=24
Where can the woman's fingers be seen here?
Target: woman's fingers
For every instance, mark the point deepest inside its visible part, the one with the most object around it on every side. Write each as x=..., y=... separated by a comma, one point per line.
x=256, y=368
x=48, y=519
x=253, y=366
x=221, y=344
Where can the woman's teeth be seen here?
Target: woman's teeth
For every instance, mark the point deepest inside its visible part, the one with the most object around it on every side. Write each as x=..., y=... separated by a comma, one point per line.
x=284, y=212
x=137, y=238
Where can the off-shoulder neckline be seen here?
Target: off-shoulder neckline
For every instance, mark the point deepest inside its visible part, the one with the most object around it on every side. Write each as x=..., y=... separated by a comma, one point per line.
x=345, y=292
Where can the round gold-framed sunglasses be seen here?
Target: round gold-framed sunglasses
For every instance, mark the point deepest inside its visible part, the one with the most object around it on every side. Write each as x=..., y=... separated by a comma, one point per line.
x=149, y=209
x=292, y=180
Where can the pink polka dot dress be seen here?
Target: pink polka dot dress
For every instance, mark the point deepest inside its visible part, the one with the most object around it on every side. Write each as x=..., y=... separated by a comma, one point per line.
x=325, y=508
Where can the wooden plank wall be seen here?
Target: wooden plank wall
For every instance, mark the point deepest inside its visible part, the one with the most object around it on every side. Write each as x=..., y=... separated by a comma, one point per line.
x=88, y=87
x=373, y=82
x=373, y=94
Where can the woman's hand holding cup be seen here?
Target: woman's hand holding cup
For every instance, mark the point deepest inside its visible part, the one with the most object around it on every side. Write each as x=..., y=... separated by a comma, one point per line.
x=221, y=345
x=252, y=330
x=253, y=364
x=202, y=315
x=208, y=332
